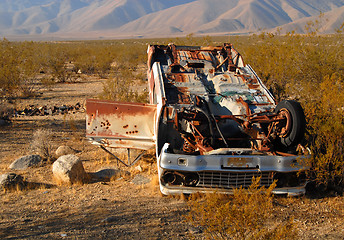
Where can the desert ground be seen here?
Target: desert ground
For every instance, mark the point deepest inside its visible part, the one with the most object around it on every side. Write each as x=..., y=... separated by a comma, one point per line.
x=128, y=207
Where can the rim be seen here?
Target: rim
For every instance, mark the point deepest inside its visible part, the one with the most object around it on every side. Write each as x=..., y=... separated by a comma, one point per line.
x=284, y=126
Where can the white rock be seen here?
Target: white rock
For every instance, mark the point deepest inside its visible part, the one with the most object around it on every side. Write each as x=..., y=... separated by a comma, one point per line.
x=64, y=150
x=69, y=169
x=139, y=168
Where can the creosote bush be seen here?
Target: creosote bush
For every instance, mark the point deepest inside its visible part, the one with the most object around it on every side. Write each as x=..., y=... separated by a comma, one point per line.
x=119, y=89
x=326, y=128
x=247, y=214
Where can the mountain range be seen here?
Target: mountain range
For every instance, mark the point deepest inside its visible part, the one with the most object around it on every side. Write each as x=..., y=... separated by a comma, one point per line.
x=162, y=18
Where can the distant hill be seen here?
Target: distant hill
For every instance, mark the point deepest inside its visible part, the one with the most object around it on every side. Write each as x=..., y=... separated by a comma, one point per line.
x=154, y=18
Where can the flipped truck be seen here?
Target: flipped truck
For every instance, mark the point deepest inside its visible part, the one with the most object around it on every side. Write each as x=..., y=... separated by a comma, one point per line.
x=212, y=121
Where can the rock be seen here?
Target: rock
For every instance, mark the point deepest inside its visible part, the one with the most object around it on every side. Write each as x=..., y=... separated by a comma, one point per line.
x=3, y=122
x=110, y=219
x=107, y=174
x=64, y=150
x=26, y=162
x=195, y=230
x=139, y=180
x=10, y=181
x=139, y=168
x=69, y=169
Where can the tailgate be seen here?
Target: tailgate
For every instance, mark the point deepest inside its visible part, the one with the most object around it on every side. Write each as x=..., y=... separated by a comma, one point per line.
x=121, y=125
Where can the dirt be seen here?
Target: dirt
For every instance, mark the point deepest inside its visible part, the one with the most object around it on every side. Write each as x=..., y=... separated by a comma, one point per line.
x=121, y=208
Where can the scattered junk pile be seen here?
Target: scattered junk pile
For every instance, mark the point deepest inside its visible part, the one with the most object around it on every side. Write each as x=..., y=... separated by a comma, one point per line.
x=33, y=110
x=212, y=121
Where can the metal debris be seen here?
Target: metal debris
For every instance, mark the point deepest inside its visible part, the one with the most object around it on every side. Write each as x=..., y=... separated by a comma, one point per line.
x=34, y=110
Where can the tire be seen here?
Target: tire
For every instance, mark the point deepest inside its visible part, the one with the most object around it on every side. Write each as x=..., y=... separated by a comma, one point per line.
x=297, y=123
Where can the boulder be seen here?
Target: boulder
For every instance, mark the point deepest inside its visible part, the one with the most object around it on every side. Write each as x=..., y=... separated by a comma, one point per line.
x=3, y=122
x=10, y=181
x=107, y=174
x=26, y=162
x=69, y=169
x=64, y=150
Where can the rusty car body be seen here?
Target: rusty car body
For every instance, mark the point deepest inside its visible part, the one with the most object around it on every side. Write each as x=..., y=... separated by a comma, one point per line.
x=213, y=123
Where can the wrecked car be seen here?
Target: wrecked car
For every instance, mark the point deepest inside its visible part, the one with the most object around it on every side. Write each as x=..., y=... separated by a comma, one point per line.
x=213, y=122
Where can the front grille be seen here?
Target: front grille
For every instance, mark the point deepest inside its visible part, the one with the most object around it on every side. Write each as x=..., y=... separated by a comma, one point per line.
x=233, y=179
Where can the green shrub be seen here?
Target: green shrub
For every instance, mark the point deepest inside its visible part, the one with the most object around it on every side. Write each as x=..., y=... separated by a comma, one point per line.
x=326, y=128
x=9, y=69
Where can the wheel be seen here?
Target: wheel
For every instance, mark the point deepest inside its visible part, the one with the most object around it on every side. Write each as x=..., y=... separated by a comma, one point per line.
x=291, y=129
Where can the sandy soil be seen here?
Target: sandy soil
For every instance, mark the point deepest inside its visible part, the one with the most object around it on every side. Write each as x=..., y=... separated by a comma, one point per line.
x=119, y=209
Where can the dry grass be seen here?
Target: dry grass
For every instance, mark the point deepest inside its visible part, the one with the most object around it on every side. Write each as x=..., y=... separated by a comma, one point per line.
x=153, y=186
x=60, y=182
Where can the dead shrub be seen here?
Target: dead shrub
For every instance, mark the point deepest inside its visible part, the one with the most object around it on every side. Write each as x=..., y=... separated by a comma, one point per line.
x=247, y=214
x=77, y=135
x=42, y=143
x=5, y=110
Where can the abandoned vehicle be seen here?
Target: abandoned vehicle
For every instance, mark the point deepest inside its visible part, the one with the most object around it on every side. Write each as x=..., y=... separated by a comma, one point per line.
x=213, y=123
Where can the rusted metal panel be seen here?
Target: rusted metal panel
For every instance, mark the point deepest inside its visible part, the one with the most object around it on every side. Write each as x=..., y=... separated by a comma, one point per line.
x=121, y=125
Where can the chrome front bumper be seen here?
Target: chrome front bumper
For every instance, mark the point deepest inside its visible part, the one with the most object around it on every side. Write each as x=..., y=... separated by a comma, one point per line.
x=223, y=173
